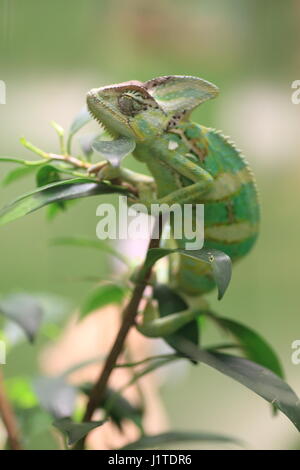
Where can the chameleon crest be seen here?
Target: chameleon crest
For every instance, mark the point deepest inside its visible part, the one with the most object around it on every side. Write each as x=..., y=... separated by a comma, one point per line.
x=146, y=110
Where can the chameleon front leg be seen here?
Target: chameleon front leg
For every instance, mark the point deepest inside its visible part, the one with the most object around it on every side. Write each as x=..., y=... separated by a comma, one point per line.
x=202, y=180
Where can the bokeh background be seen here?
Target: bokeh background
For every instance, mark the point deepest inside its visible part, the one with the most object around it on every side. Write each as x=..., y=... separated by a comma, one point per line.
x=52, y=53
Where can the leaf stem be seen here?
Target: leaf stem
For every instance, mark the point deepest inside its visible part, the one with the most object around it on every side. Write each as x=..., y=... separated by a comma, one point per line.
x=147, y=359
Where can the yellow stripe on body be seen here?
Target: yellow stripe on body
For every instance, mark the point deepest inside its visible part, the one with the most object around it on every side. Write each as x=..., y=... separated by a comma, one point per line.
x=231, y=233
x=227, y=184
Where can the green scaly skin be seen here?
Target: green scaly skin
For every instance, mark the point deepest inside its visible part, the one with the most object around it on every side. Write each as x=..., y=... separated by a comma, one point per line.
x=189, y=164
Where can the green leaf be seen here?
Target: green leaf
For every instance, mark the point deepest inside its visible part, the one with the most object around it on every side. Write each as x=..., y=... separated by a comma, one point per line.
x=170, y=302
x=121, y=409
x=16, y=174
x=219, y=261
x=103, y=295
x=20, y=392
x=61, y=191
x=75, y=431
x=114, y=150
x=253, y=376
x=55, y=208
x=118, y=407
x=82, y=118
x=175, y=437
x=56, y=396
x=88, y=243
x=58, y=128
x=24, y=310
x=86, y=143
x=33, y=422
x=254, y=346
x=48, y=174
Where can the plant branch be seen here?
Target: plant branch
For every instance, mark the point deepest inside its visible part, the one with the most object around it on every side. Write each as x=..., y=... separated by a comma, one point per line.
x=147, y=359
x=9, y=419
x=129, y=314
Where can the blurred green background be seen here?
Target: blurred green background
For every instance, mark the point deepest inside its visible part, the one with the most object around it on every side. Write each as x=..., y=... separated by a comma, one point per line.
x=52, y=53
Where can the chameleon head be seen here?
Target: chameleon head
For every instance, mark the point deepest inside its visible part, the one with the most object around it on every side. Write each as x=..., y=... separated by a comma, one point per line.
x=127, y=109
x=146, y=110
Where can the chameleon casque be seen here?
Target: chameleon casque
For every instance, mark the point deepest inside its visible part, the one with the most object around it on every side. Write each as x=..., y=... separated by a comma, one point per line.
x=189, y=163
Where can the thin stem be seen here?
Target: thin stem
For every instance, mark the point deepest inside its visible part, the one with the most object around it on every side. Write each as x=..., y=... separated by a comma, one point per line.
x=147, y=359
x=9, y=418
x=61, y=136
x=129, y=314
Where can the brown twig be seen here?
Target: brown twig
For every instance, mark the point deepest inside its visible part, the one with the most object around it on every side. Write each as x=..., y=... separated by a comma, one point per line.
x=129, y=314
x=9, y=419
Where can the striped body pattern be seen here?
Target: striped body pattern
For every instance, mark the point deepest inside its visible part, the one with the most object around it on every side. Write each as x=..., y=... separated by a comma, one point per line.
x=231, y=205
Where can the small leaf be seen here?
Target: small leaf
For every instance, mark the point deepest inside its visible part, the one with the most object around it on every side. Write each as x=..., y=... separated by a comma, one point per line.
x=254, y=376
x=118, y=407
x=75, y=431
x=61, y=191
x=56, y=396
x=24, y=310
x=58, y=128
x=254, y=346
x=103, y=295
x=88, y=243
x=121, y=409
x=114, y=150
x=55, y=208
x=16, y=174
x=175, y=437
x=33, y=422
x=48, y=174
x=86, y=142
x=20, y=392
x=219, y=261
x=82, y=118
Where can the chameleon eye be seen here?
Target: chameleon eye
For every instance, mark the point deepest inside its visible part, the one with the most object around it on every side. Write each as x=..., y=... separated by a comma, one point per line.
x=129, y=106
